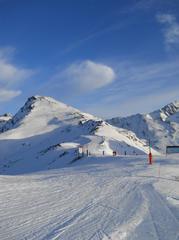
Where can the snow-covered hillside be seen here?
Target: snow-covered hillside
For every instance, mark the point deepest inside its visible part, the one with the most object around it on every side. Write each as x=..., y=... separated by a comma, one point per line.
x=161, y=126
x=46, y=134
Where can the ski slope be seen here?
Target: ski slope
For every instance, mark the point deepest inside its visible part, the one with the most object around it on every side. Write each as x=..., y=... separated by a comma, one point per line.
x=94, y=198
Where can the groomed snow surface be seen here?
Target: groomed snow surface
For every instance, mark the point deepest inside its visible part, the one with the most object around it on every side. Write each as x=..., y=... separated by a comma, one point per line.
x=94, y=198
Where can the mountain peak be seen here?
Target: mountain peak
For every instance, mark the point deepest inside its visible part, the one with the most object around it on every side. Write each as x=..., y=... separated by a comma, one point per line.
x=46, y=114
x=34, y=105
x=171, y=108
x=36, y=98
x=166, y=112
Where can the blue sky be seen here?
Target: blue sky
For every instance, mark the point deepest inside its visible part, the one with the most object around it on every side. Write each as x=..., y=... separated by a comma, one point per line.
x=105, y=57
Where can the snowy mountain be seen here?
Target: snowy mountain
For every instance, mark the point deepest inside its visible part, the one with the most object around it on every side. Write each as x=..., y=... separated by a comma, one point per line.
x=161, y=126
x=3, y=119
x=47, y=134
x=97, y=197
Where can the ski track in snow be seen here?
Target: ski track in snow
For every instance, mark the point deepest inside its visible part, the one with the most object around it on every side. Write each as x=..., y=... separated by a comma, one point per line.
x=94, y=198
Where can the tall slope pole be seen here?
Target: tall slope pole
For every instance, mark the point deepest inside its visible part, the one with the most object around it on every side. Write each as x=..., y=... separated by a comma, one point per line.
x=150, y=154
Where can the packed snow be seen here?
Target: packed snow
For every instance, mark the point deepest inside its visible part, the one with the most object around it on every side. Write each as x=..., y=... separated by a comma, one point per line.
x=94, y=198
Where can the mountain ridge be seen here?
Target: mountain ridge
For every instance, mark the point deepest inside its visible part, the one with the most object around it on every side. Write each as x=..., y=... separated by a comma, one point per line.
x=161, y=126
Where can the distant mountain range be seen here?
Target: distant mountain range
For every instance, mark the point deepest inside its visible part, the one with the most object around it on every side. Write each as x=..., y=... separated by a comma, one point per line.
x=47, y=134
x=161, y=127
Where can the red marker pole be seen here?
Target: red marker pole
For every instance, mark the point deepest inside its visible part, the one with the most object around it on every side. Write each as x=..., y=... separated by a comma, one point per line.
x=150, y=154
x=150, y=158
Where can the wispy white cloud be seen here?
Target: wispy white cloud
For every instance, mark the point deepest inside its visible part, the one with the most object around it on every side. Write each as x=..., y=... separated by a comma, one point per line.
x=136, y=78
x=140, y=87
x=149, y=102
x=126, y=9
x=140, y=5
x=7, y=53
x=133, y=104
x=10, y=74
x=7, y=95
x=122, y=88
x=170, y=30
x=93, y=35
x=85, y=76
x=153, y=73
